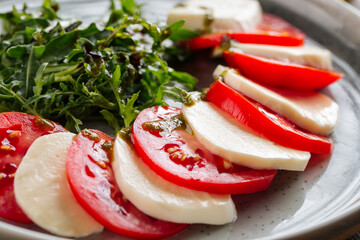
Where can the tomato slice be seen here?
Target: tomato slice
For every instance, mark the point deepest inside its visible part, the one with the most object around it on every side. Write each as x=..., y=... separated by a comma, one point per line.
x=93, y=183
x=265, y=122
x=281, y=74
x=272, y=30
x=18, y=131
x=178, y=157
x=206, y=41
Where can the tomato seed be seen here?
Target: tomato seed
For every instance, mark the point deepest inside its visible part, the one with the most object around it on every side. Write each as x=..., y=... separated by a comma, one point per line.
x=14, y=134
x=12, y=175
x=7, y=148
x=183, y=157
x=171, y=150
x=101, y=164
x=227, y=165
x=174, y=156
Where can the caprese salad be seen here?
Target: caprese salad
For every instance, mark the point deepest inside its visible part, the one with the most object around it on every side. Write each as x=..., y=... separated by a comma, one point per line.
x=174, y=167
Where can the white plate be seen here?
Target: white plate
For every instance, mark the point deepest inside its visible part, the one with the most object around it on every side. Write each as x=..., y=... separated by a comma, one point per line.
x=321, y=202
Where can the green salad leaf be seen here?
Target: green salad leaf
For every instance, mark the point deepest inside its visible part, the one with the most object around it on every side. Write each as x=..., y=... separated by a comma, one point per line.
x=70, y=73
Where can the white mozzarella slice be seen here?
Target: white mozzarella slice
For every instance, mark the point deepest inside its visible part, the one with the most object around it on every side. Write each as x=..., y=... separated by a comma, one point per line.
x=164, y=200
x=226, y=137
x=304, y=55
x=312, y=111
x=43, y=193
x=217, y=16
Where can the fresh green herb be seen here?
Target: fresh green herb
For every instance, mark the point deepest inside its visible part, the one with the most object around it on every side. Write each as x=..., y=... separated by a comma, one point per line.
x=91, y=135
x=111, y=71
x=124, y=133
x=168, y=124
x=191, y=98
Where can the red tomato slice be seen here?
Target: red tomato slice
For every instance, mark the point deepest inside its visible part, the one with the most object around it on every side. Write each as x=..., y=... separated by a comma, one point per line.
x=93, y=184
x=17, y=133
x=269, y=38
x=280, y=74
x=206, y=41
x=264, y=121
x=283, y=32
x=272, y=31
x=178, y=157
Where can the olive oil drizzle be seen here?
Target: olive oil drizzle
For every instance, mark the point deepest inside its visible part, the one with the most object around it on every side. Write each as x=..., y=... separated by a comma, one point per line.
x=222, y=75
x=125, y=133
x=166, y=125
x=190, y=98
x=91, y=135
x=208, y=18
x=46, y=124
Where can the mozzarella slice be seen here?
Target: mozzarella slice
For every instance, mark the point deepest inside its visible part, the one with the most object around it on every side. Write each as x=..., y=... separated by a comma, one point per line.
x=162, y=199
x=304, y=55
x=43, y=193
x=216, y=15
x=226, y=137
x=312, y=111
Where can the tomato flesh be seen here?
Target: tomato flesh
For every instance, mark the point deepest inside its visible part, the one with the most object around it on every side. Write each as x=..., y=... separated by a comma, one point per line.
x=178, y=157
x=281, y=74
x=283, y=32
x=18, y=131
x=264, y=121
x=206, y=41
x=272, y=31
x=93, y=183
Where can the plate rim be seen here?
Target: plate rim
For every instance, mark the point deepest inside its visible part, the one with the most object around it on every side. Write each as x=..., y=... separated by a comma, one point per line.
x=346, y=215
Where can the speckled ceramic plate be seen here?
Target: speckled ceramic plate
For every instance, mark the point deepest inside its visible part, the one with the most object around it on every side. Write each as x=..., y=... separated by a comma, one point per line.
x=319, y=203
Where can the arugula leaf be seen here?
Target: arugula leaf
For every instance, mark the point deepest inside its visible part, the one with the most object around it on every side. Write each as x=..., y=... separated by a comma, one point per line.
x=128, y=112
x=111, y=119
x=30, y=66
x=33, y=23
x=182, y=77
x=70, y=75
x=49, y=9
x=18, y=51
x=174, y=27
x=57, y=48
x=38, y=79
x=183, y=34
x=130, y=7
